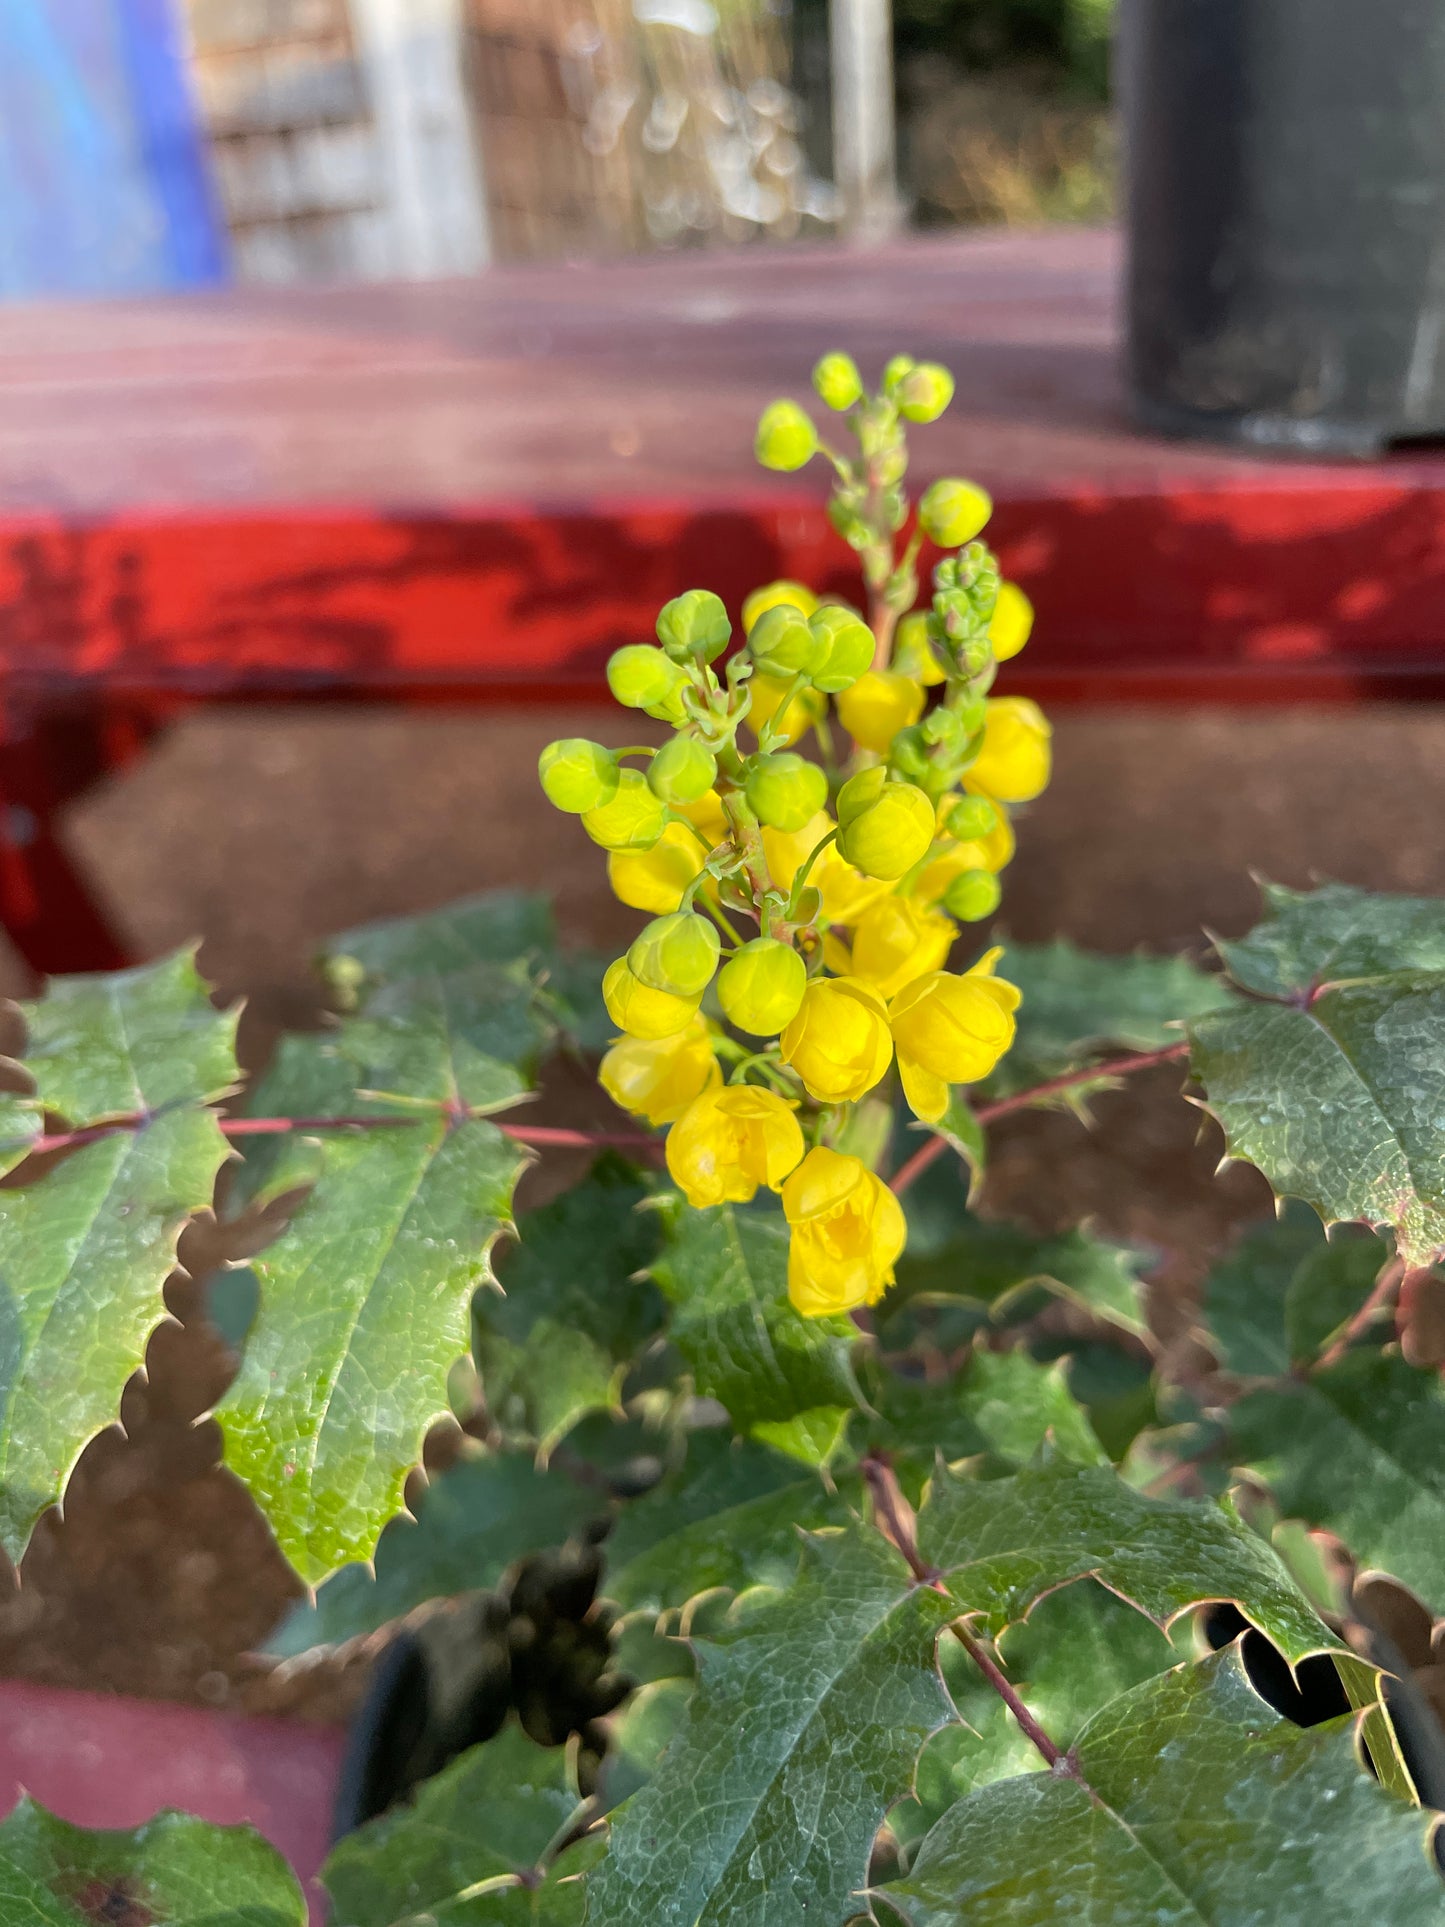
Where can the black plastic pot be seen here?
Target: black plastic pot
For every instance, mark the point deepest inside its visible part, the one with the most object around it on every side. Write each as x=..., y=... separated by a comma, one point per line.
x=1285, y=164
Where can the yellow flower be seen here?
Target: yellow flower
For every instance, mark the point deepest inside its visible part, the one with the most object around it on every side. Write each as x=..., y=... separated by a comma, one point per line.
x=656, y=879
x=900, y=939
x=1014, y=763
x=1012, y=622
x=777, y=595
x=641, y=1011
x=848, y=1230
x=951, y=1030
x=788, y=850
x=802, y=712
x=838, y=1043
x=878, y=706
x=657, y=1078
x=847, y=894
x=729, y=1141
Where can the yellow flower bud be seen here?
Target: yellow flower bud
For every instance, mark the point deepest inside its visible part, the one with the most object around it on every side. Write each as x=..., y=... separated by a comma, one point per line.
x=890, y=835
x=1013, y=765
x=924, y=392
x=678, y=954
x=785, y=791
x=786, y=438
x=952, y=512
x=1012, y=622
x=578, y=775
x=900, y=939
x=777, y=595
x=837, y=382
x=848, y=1231
x=802, y=712
x=641, y=1011
x=846, y=647
x=729, y=1141
x=951, y=1030
x=657, y=879
x=634, y=819
x=878, y=706
x=839, y=1042
x=761, y=986
x=657, y=1078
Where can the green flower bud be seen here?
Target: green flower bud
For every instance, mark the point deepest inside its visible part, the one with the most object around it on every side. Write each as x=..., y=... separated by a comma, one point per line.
x=837, y=381
x=846, y=651
x=677, y=954
x=896, y=373
x=908, y=754
x=924, y=392
x=972, y=896
x=578, y=775
x=975, y=653
x=694, y=624
x=782, y=644
x=891, y=834
x=860, y=793
x=642, y=677
x=761, y=986
x=633, y=819
x=952, y=512
x=682, y=770
x=849, y=522
x=972, y=817
x=913, y=652
x=786, y=437
x=785, y=791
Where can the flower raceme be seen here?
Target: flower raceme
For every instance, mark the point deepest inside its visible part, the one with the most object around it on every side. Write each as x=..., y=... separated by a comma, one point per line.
x=729, y=1141
x=848, y=1231
x=951, y=1030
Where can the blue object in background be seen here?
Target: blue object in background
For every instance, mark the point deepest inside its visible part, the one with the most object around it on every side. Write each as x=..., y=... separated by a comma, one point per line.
x=104, y=185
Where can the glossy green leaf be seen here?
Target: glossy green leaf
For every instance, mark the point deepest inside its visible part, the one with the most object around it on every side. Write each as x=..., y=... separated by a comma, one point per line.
x=728, y=1516
x=1359, y=1450
x=639, y=1736
x=1311, y=937
x=495, y=1815
x=803, y=1730
x=1001, y=1544
x=364, y=1306
x=1005, y=1403
x=1285, y=1289
x=471, y=1525
x=1077, y=1001
x=172, y=1871
x=1191, y=1804
x=473, y=1038
x=725, y=1273
x=574, y=1309
x=496, y=927
x=84, y=1252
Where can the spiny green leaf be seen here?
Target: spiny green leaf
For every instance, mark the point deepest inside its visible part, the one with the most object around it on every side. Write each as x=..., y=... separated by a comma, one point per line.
x=1194, y=1805
x=471, y=1524
x=84, y=1253
x=496, y=927
x=572, y=981
x=728, y=1516
x=573, y=1311
x=1075, y=1001
x=1001, y=1402
x=639, y=1736
x=1001, y=1544
x=129, y=1041
x=1312, y=937
x=471, y=1039
x=803, y=1730
x=364, y=1309
x=726, y=1274
x=172, y=1871
x=492, y=1815
x=1342, y=1104
x=1284, y=1289
x=1359, y=1450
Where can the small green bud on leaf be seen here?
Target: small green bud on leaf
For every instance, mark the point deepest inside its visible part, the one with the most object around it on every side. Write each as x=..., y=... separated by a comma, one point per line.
x=677, y=954
x=837, y=381
x=694, y=624
x=846, y=648
x=632, y=819
x=578, y=775
x=924, y=392
x=682, y=770
x=972, y=817
x=642, y=677
x=786, y=437
x=761, y=986
x=889, y=835
x=952, y=511
x=785, y=791
x=972, y=896
x=782, y=644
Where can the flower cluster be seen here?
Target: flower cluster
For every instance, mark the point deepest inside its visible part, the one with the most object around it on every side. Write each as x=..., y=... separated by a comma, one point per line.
x=855, y=860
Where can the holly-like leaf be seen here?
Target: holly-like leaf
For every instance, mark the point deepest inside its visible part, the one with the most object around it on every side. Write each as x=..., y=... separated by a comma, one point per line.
x=496, y=1814
x=1077, y=1001
x=172, y=1871
x=84, y=1252
x=573, y=1311
x=1001, y=1544
x=1285, y=1289
x=803, y=1730
x=726, y=1275
x=1005, y=1403
x=496, y=927
x=729, y=1516
x=1358, y=1450
x=471, y=1524
x=1189, y=1803
x=364, y=1305
x=472, y=1038
x=1312, y=937
x=129, y=1042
